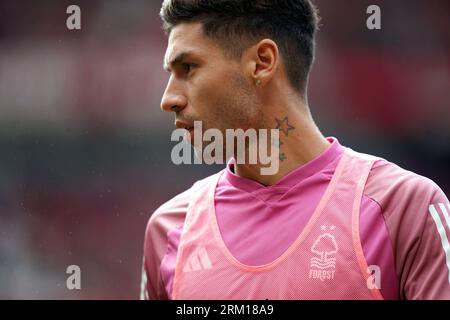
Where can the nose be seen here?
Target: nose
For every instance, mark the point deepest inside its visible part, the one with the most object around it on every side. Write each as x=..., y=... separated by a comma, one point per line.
x=173, y=99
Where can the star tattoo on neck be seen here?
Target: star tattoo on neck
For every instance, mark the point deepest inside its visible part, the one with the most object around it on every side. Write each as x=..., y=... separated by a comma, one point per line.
x=284, y=126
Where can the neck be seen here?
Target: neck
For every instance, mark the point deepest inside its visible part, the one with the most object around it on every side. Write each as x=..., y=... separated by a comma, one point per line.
x=300, y=142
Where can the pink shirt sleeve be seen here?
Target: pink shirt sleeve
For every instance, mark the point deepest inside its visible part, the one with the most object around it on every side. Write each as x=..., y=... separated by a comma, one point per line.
x=421, y=252
x=169, y=216
x=428, y=275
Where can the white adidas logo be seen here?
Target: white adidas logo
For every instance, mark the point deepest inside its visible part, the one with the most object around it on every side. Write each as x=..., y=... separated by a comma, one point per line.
x=198, y=261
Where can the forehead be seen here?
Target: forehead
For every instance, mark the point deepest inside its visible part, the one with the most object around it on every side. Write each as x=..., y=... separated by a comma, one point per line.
x=189, y=37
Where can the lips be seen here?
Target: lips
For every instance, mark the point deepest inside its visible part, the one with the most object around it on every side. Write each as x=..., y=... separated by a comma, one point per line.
x=183, y=125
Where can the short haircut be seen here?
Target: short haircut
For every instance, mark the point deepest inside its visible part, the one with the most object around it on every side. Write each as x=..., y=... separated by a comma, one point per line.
x=238, y=24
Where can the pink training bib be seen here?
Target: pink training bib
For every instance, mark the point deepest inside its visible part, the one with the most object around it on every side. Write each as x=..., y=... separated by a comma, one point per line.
x=326, y=261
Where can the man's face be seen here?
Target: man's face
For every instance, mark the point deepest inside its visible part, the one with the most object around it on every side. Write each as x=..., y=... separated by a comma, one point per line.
x=206, y=86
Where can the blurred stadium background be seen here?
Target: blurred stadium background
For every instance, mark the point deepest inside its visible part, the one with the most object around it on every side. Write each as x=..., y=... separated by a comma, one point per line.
x=85, y=149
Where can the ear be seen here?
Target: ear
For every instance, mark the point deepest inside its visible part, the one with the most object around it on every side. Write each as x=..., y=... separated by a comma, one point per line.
x=262, y=61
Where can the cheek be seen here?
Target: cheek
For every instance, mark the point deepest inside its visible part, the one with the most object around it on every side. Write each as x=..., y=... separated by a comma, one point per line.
x=207, y=95
x=229, y=108
x=223, y=102
x=202, y=91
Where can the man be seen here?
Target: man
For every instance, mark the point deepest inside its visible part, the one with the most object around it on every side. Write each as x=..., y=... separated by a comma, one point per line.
x=330, y=224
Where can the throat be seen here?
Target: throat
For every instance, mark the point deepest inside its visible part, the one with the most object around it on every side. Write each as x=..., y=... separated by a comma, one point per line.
x=295, y=145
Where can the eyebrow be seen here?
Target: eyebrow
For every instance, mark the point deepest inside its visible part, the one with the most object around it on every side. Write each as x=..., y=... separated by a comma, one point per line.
x=177, y=60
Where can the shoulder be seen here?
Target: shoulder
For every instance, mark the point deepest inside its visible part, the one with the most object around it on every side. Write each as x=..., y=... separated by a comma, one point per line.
x=172, y=213
x=404, y=198
x=169, y=214
x=395, y=189
x=410, y=204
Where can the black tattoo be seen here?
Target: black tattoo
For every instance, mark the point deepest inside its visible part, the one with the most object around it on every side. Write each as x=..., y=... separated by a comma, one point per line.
x=284, y=126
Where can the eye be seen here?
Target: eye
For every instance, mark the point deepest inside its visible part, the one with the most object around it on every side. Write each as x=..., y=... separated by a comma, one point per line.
x=187, y=67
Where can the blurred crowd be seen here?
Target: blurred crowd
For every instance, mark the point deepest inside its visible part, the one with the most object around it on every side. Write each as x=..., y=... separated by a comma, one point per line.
x=85, y=149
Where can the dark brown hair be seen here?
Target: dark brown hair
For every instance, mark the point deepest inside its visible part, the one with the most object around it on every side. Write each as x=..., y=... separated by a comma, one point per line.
x=238, y=24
